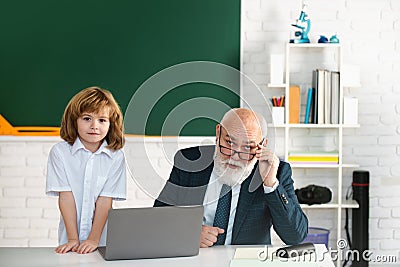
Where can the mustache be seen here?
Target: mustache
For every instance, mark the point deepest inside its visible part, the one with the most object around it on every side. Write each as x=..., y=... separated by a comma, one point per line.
x=234, y=163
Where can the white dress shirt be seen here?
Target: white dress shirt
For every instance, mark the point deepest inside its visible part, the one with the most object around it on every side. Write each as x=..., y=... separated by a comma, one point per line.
x=211, y=201
x=87, y=175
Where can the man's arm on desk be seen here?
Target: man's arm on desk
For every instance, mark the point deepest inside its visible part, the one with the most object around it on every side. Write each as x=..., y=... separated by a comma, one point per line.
x=169, y=193
x=288, y=219
x=209, y=235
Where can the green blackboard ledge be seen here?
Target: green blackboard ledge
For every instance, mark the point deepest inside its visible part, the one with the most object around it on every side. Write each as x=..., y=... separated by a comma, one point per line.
x=180, y=140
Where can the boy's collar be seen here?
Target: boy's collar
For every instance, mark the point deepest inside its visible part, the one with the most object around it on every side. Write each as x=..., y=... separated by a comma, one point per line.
x=103, y=147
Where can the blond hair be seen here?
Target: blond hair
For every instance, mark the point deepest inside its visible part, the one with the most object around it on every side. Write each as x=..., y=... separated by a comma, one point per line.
x=93, y=99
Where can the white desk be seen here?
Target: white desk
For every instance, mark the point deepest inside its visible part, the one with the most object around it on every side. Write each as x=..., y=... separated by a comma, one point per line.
x=42, y=257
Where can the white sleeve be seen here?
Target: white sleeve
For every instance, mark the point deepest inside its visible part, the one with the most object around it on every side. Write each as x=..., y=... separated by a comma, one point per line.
x=56, y=178
x=268, y=190
x=115, y=186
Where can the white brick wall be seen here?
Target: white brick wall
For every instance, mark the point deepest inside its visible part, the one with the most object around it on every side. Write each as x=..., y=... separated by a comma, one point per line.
x=370, y=34
x=29, y=218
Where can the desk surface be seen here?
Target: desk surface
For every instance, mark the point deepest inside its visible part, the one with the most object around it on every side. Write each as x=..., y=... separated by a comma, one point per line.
x=211, y=257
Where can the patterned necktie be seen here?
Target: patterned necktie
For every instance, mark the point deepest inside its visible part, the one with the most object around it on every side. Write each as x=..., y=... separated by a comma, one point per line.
x=221, y=218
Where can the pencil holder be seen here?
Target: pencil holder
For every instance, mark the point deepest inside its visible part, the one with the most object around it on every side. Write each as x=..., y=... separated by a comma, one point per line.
x=278, y=115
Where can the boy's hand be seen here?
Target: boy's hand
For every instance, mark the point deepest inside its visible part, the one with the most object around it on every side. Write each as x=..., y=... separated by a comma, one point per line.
x=87, y=246
x=72, y=245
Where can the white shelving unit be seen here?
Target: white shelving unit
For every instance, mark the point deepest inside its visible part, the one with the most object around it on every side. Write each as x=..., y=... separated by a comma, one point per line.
x=335, y=55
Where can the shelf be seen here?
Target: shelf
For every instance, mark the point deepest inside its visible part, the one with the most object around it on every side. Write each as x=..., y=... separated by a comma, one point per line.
x=283, y=85
x=327, y=54
x=314, y=126
x=350, y=165
x=314, y=45
x=351, y=204
x=322, y=165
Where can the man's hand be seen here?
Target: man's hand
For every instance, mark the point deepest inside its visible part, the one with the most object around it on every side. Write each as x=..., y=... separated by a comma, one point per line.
x=71, y=245
x=87, y=246
x=209, y=235
x=268, y=165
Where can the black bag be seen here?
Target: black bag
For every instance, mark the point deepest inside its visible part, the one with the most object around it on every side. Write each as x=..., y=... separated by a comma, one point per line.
x=313, y=194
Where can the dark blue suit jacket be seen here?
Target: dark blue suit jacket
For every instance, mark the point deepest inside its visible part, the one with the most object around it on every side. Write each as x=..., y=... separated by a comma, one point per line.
x=256, y=211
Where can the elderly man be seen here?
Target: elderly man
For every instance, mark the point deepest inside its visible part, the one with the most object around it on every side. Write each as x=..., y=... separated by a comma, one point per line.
x=244, y=187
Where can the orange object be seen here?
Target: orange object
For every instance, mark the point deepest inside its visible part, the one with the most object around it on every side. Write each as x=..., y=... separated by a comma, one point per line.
x=7, y=129
x=294, y=104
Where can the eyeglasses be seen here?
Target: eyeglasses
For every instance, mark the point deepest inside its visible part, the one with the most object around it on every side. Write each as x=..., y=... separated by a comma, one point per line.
x=227, y=151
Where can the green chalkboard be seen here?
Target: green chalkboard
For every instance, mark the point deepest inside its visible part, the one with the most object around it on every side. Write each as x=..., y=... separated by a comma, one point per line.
x=50, y=50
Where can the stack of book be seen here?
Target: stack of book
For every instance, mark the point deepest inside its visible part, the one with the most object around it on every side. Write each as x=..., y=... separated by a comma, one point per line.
x=314, y=157
x=322, y=105
x=266, y=256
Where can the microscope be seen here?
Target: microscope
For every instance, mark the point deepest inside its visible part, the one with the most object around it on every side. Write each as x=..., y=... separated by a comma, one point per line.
x=303, y=23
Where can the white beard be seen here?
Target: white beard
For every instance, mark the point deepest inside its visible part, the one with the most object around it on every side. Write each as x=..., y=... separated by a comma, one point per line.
x=231, y=176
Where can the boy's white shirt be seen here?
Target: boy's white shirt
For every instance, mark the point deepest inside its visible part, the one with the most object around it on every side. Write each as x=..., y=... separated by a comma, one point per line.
x=87, y=175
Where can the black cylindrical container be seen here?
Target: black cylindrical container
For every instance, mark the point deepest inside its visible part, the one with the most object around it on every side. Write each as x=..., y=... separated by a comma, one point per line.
x=360, y=216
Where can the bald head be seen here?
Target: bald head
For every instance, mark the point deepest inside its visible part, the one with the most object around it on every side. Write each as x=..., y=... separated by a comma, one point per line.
x=244, y=119
x=238, y=137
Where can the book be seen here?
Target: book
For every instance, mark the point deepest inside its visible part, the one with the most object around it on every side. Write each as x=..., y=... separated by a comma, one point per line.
x=319, y=163
x=264, y=256
x=320, y=96
x=314, y=103
x=312, y=159
x=324, y=157
x=294, y=104
x=308, y=105
x=335, y=103
x=332, y=153
x=327, y=96
x=313, y=113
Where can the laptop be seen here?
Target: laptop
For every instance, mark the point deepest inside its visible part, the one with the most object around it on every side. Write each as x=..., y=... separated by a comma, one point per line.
x=157, y=232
